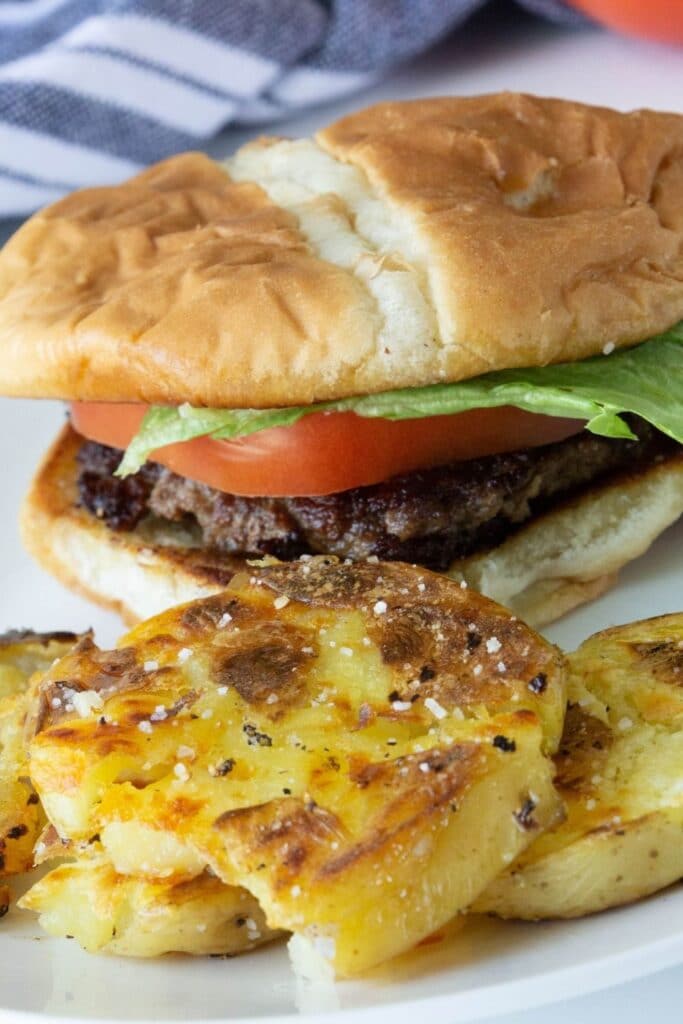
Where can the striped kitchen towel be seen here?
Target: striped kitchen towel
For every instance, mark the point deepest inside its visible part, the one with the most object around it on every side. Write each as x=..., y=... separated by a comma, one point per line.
x=91, y=90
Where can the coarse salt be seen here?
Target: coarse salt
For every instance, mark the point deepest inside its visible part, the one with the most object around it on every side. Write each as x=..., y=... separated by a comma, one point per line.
x=145, y=726
x=180, y=771
x=151, y=666
x=183, y=654
x=346, y=651
x=281, y=602
x=608, y=349
x=436, y=709
x=86, y=702
x=380, y=607
x=401, y=705
x=493, y=645
x=225, y=618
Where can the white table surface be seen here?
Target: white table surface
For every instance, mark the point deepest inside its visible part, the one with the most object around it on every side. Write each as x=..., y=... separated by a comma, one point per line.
x=504, y=51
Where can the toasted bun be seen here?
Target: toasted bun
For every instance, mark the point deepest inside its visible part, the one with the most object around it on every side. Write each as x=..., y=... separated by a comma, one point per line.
x=134, y=574
x=556, y=562
x=408, y=244
x=573, y=554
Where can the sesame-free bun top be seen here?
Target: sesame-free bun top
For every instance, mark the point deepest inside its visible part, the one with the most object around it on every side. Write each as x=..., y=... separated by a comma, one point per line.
x=407, y=244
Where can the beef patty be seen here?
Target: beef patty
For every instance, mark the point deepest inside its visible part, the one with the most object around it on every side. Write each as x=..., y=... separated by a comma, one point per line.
x=430, y=516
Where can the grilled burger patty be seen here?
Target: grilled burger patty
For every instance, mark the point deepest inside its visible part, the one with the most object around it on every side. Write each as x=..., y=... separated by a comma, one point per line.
x=429, y=517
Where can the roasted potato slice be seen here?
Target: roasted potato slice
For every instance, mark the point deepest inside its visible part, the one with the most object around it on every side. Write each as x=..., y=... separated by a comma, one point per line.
x=361, y=747
x=22, y=653
x=112, y=913
x=620, y=771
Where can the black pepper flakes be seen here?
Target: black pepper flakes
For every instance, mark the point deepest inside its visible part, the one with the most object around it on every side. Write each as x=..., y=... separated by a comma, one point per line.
x=427, y=673
x=539, y=683
x=225, y=767
x=524, y=816
x=473, y=640
x=33, y=799
x=256, y=738
x=503, y=743
x=17, y=832
x=4, y=907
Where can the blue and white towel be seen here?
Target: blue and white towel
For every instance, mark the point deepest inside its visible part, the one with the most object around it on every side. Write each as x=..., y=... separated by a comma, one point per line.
x=91, y=90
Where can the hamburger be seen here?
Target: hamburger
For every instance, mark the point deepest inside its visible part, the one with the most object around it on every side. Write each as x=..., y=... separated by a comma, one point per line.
x=445, y=331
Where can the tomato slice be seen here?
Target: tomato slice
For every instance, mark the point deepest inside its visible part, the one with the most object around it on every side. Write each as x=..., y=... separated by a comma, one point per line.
x=327, y=452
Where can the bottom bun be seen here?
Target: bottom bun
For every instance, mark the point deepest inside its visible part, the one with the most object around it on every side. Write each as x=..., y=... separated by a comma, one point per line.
x=557, y=561
x=573, y=553
x=136, y=574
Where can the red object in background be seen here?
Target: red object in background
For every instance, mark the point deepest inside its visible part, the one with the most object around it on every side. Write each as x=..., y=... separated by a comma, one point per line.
x=649, y=19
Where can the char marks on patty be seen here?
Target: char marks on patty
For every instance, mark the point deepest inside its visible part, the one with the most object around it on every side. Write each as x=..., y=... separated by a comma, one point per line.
x=429, y=517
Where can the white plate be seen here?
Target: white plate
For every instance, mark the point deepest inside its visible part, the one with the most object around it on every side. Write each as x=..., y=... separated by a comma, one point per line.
x=490, y=968
x=484, y=968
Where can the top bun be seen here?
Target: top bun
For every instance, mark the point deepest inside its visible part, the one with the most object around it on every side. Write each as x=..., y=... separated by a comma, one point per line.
x=407, y=244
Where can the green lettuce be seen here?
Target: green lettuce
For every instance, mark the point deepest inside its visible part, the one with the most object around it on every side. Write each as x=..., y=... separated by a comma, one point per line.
x=646, y=380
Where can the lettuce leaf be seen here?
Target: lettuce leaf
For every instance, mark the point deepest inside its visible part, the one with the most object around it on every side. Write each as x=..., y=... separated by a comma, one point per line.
x=646, y=380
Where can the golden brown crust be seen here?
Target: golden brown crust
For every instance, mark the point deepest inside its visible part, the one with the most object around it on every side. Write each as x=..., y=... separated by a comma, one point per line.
x=176, y=286
x=551, y=227
x=412, y=243
x=127, y=573
x=618, y=771
x=374, y=770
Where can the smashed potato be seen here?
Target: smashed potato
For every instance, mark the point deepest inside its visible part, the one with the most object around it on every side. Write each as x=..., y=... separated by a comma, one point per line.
x=619, y=769
x=362, y=748
x=144, y=917
x=21, y=654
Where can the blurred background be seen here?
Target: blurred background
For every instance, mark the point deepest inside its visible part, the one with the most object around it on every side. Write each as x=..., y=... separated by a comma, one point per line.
x=93, y=90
